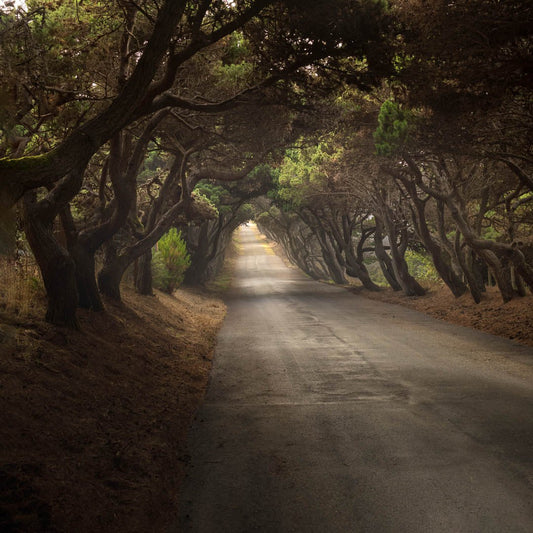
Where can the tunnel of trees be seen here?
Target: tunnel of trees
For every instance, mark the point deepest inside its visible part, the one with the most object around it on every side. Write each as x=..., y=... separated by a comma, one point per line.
x=357, y=133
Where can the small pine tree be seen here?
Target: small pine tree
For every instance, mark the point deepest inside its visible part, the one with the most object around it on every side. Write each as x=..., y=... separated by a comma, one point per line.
x=393, y=128
x=170, y=261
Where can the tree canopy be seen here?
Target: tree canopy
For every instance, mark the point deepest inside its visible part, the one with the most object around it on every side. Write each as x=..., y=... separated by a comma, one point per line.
x=357, y=132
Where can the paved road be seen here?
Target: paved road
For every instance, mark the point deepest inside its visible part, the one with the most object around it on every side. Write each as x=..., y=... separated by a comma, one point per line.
x=328, y=413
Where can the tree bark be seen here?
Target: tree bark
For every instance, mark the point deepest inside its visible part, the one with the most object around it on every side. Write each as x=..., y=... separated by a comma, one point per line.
x=485, y=249
x=475, y=289
x=346, y=255
x=89, y=296
x=110, y=276
x=328, y=253
x=57, y=267
x=444, y=268
x=409, y=285
x=385, y=262
x=199, y=252
x=143, y=278
x=477, y=267
x=518, y=283
x=437, y=252
x=84, y=260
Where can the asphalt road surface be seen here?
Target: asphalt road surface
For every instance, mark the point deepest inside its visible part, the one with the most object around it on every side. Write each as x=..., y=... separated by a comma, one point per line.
x=327, y=412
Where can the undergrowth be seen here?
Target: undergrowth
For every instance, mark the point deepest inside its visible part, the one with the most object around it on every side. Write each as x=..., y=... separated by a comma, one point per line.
x=21, y=287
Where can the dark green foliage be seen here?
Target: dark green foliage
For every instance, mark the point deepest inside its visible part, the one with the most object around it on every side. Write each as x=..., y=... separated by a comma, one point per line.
x=216, y=194
x=393, y=128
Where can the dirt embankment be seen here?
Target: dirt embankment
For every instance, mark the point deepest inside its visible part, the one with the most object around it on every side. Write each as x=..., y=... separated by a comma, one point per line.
x=92, y=423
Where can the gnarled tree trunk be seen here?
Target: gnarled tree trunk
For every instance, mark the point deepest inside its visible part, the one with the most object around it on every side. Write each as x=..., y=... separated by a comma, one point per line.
x=335, y=270
x=57, y=267
x=409, y=285
x=143, y=278
x=487, y=250
x=89, y=296
x=442, y=266
x=110, y=276
x=385, y=262
x=473, y=285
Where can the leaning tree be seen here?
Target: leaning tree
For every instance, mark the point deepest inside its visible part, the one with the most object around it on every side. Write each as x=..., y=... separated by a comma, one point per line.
x=147, y=48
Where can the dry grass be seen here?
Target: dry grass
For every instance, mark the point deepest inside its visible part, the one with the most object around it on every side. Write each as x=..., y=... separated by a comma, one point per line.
x=93, y=422
x=21, y=288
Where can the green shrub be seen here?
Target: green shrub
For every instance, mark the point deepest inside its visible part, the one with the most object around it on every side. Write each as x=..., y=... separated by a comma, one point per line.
x=170, y=261
x=421, y=267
